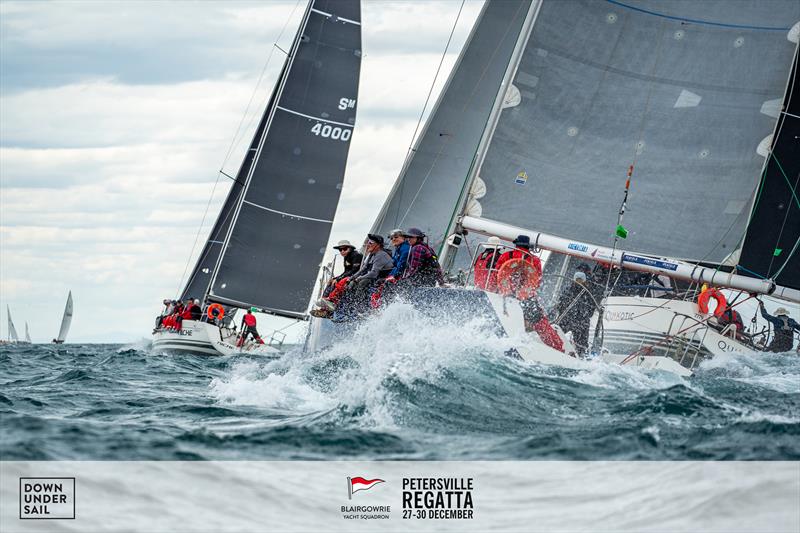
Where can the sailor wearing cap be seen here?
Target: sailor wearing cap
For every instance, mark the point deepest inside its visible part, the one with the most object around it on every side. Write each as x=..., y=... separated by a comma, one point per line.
x=485, y=267
x=423, y=266
x=377, y=264
x=400, y=255
x=352, y=261
x=784, y=326
x=523, y=251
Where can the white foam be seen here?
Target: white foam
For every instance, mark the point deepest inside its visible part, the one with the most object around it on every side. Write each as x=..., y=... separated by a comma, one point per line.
x=396, y=346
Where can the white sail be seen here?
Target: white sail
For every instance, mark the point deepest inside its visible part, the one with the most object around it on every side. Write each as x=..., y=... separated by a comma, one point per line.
x=66, y=321
x=27, y=334
x=12, y=331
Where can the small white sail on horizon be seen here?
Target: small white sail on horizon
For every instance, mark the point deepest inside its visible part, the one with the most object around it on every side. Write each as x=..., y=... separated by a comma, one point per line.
x=66, y=321
x=27, y=334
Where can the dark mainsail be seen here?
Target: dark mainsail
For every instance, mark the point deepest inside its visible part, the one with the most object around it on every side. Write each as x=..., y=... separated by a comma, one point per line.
x=198, y=283
x=282, y=221
x=438, y=166
x=685, y=91
x=770, y=247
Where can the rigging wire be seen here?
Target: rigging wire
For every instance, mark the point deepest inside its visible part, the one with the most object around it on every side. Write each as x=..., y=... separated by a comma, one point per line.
x=422, y=114
x=234, y=141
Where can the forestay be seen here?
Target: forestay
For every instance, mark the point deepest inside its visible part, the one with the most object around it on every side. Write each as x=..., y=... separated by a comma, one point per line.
x=685, y=91
x=438, y=166
x=273, y=250
x=771, y=245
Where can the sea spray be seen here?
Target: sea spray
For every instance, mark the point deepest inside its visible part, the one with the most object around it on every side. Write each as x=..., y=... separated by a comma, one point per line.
x=403, y=386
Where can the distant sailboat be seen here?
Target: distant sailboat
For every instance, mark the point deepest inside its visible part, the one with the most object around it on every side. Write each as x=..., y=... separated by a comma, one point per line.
x=27, y=334
x=66, y=321
x=12, y=331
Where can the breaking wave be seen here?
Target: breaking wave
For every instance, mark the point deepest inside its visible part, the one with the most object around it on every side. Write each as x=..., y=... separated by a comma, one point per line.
x=399, y=386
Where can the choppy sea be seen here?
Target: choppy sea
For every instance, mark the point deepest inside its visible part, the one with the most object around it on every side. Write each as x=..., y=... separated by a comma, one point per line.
x=399, y=389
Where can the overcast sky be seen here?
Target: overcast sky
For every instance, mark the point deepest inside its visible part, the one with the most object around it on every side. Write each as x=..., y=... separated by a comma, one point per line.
x=116, y=116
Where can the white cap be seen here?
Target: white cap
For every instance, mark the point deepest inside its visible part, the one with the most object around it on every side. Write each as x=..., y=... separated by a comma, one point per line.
x=493, y=242
x=579, y=276
x=781, y=311
x=342, y=244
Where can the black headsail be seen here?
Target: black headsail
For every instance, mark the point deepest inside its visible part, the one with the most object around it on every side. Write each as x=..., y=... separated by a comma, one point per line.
x=199, y=282
x=274, y=247
x=771, y=243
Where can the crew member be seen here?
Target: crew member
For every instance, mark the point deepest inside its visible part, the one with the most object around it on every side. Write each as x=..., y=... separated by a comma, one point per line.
x=485, y=267
x=249, y=328
x=522, y=251
x=402, y=249
x=574, y=311
x=784, y=327
x=352, y=263
x=731, y=316
x=423, y=268
x=376, y=266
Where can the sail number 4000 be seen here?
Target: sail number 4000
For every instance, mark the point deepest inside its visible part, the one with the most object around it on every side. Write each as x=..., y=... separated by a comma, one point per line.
x=332, y=132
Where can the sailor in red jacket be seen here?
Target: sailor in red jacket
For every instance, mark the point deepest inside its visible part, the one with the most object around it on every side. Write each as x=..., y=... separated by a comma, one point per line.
x=523, y=251
x=249, y=328
x=486, y=265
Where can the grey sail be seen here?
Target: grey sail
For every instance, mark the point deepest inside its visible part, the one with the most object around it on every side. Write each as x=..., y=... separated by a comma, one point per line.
x=439, y=164
x=282, y=222
x=198, y=283
x=12, y=331
x=683, y=91
x=66, y=320
x=27, y=334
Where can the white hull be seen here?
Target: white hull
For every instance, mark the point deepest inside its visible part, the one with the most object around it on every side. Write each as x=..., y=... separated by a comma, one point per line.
x=202, y=338
x=672, y=328
x=510, y=315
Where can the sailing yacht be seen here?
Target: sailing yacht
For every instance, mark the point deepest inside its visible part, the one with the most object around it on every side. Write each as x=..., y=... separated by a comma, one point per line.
x=66, y=321
x=267, y=244
x=659, y=138
x=13, y=338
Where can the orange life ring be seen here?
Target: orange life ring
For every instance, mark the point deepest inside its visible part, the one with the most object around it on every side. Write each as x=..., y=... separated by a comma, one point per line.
x=215, y=307
x=518, y=277
x=705, y=296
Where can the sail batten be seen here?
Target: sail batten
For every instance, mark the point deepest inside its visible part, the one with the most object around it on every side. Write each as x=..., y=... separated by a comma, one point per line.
x=282, y=219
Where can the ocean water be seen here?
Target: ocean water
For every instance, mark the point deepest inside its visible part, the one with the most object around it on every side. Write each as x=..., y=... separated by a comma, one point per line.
x=401, y=388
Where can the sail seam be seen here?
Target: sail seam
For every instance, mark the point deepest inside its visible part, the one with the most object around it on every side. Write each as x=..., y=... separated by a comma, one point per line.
x=288, y=214
x=698, y=21
x=314, y=10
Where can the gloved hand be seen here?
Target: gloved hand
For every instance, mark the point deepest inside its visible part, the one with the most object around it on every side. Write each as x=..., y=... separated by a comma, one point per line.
x=391, y=279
